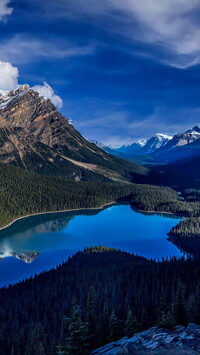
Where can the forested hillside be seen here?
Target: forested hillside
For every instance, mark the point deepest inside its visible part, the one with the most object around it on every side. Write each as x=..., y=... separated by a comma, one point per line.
x=96, y=297
x=24, y=193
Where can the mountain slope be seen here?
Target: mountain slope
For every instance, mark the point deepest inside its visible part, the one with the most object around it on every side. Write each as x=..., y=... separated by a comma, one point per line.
x=36, y=137
x=23, y=192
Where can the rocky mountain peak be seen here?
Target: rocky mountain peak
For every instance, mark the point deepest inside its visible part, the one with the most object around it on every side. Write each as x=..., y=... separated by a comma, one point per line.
x=195, y=129
x=34, y=135
x=19, y=90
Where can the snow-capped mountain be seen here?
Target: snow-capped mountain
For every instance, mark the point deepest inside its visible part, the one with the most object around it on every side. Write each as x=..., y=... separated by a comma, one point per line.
x=157, y=141
x=182, y=145
x=35, y=136
x=133, y=148
x=180, y=139
x=142, y=146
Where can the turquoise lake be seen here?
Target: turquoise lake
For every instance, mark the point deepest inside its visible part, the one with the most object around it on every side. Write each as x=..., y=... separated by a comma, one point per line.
x=41, y=242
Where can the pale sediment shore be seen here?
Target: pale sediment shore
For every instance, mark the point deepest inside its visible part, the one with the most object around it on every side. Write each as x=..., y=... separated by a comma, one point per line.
x=61, y=211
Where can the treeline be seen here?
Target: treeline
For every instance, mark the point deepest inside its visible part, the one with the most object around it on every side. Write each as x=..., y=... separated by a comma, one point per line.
x=190, y=227
x=191, y=195
x=94, y=298
x=23, y=193
x=186, y=236
x=162, y=199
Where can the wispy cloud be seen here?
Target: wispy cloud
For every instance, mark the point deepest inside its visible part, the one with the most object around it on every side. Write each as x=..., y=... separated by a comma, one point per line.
x=22, y=49
x=171, y=26
x=122, y=127
x=5, y=9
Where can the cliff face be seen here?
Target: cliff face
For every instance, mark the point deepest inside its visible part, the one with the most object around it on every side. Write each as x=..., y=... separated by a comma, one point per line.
x=36, y=137
x=24, y=108
x=157, y=341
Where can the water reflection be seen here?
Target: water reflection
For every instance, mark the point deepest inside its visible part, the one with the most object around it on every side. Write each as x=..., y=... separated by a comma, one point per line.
x=41, y=242
x=27, y=238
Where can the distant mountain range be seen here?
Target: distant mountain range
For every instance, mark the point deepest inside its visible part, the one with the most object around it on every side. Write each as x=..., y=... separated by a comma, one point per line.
x=160, y=149
x=36, y=137
x=173, y=161
x=181, y=146
x=137, y=148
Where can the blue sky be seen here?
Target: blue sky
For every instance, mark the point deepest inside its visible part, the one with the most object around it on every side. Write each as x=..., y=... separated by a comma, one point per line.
x=124, y=69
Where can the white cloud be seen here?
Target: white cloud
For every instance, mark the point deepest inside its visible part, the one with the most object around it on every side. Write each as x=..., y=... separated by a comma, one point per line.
x=47, y=91
x=9, y=81
x=4, y=8
x=8, y=76
x=171, y=25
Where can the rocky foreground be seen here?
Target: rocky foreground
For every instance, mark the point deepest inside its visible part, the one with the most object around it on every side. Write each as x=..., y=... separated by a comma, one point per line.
x=181, y=340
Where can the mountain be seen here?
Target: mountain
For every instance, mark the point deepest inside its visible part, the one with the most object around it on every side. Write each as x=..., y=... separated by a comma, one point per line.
x=36, y=137
x=181, y=139
x=181, y=146
x=140, y=147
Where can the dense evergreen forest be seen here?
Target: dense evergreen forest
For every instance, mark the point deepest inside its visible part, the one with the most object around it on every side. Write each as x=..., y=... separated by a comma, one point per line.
x=186, y=235
x=163, y=199
x=95, y=297
x=23, y=193
x=189, y=228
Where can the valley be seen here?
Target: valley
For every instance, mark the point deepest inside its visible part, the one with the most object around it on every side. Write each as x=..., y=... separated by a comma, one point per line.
x=60, y=194
x=99, y=177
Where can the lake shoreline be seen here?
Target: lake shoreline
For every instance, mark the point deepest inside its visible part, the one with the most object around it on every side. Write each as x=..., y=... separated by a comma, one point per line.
x=62, y=211
x=163, y=212
x=158, y=212
x=90, y=208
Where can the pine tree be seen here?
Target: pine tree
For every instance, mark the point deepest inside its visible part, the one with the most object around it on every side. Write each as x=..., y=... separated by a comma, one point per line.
x=63, y=330
x=105, y=324
x=35, y=341
x=192, y=314
x=93, y=319
x=76, y=341
x=166, y=320
x=114, y=328
x=197, y=304
x=165, y=316
x=180, y=307
x=131, y=325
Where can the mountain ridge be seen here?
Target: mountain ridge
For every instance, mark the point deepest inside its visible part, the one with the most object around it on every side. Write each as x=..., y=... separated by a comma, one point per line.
x=182, y=145
x=35, y=136
x=139, y=147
